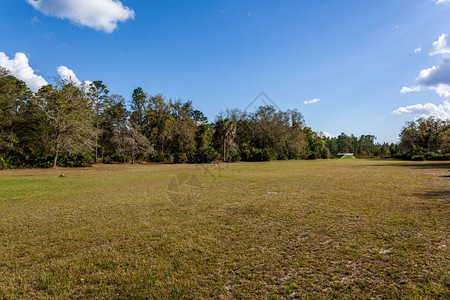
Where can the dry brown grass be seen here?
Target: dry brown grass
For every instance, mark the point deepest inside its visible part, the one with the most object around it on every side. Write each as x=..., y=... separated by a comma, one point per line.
x=358, y=229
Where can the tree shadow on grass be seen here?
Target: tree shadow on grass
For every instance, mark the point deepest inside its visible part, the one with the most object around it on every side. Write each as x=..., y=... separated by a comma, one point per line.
x=418, y=165
x=437, y=200
x=444, y=194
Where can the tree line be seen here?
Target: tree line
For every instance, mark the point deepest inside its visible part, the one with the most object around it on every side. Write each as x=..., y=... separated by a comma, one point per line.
x=425, y=139
x=68, y=124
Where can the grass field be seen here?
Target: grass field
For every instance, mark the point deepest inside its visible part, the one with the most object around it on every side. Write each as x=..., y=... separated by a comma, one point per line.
x=338, y=228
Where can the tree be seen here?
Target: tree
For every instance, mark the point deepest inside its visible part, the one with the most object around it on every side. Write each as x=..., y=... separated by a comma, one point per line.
x=21, y=120
x=114, y=123
x=344, y=143
x=136, y=144
x=182, y=130
x=138, y=105
x=393, y=150
x=225, y=129
x=158, y=121
x=11, y=99
x=316, y=144
x=70, y=124
x=199, y=117
x=202, y=136
x=99, y=95
x=69, y=118
x=384, y=150
x=278, y=133
x=425, y=135
x=332, y=145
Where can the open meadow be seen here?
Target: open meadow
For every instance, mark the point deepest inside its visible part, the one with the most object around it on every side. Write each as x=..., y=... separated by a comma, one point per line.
x=283, y=229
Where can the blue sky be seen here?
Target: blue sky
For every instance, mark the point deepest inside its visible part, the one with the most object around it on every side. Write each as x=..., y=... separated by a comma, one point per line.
x=355, y=56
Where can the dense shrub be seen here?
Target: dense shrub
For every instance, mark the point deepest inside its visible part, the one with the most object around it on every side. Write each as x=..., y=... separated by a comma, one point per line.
x=40, y=162
x=437, y=156
x=76, y=160
x=106, y=160
x=12, y=162
x=205, y=155
x=168, y=158
x=180, y=158
x=255, y=154
x=246, y=155
x=155, y=158
x=282, y=157
x=115, y=158
x=312, y=155
x=402, y=156
x=235, y=157
x=418, y=158
x=295, y=156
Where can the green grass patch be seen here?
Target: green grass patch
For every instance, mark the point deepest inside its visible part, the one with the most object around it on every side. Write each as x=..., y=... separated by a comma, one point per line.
x=326, y=228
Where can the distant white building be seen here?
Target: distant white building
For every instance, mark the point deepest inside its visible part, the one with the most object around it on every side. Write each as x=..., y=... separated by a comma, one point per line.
x=342, y=155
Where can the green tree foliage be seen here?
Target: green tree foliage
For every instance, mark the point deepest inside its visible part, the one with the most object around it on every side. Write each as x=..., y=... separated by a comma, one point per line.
x=158, y=122
x=15, y=98
x=225, y=132
x=364, y=146
x=139, y=101
x=9, y=104
x=199, y=117
x=425, y=137
x=266, y=133
x=316, y=144
x=22, y=122
x=99, y=95
x=71, y=125
x=183, y=127
x=114, y=119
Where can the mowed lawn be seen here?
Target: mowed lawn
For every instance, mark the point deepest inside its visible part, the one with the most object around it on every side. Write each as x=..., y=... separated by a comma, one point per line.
x=308, y=229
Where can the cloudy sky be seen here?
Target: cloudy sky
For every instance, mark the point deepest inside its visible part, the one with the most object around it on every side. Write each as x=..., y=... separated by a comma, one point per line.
x=349, y=66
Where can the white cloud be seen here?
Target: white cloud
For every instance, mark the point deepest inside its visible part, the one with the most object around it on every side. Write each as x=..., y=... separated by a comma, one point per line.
x=436, y=78
x=443, y=90
x=442, y=45
x=441, y=111
x=406, y=89
x=98, y=14
x=67, y=74
x=19, y=68
x=441, y=1
x=315, y=100
x=417, y=50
